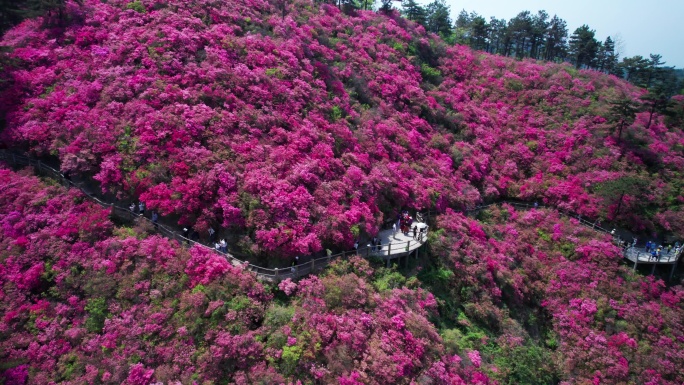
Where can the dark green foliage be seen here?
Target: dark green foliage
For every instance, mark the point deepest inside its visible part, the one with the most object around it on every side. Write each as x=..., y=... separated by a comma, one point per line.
x=13, y=12
x=97, y=313
x=438, y=19
x=622, y=113
x=583, y=47
x=614, y=191
x=414, y=12
x=526, y=364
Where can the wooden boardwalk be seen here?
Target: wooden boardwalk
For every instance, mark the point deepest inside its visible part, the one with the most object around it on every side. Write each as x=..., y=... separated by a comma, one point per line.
x=394, y=245
x=639, y=255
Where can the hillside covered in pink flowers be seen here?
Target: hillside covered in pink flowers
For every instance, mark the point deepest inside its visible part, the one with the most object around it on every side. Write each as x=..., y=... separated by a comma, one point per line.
x=301, y=128
x=305, y=129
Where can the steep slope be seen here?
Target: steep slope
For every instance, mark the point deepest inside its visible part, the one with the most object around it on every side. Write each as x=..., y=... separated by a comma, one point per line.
x=304, y=127
x=83, y=301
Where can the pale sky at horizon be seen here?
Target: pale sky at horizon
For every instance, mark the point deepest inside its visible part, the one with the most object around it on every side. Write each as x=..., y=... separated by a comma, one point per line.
x=645, y=27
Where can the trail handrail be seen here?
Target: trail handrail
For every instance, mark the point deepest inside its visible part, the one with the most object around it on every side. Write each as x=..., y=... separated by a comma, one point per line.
x=275, y=273
x=315, y=264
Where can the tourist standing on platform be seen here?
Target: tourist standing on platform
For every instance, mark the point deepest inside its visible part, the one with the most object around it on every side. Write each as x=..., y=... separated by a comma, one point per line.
x=394, y=229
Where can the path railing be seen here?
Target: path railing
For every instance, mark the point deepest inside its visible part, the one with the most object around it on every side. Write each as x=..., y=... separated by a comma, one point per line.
x=527, y=206
x=275, y=274
x=384, y=251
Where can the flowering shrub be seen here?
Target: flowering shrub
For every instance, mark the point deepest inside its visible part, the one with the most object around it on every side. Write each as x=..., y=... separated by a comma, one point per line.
x=122, y=307
x=303, y=128
x=298, y=124
x=534, y=290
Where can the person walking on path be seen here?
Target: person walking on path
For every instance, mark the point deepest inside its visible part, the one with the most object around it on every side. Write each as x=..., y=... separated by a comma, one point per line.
x=141, y=208
x=186, y=235
x=132, y=208
x=415, y=232
x=212, y=234
x=356, y=245
x=155, y=219
x=394, y=230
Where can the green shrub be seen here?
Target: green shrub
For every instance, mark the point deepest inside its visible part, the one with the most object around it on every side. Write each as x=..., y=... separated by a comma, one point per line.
x=97, y=313
x=136, y=6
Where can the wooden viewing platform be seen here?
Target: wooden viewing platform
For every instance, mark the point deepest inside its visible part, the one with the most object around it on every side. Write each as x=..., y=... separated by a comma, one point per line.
x=396, y=245
x=639, y=256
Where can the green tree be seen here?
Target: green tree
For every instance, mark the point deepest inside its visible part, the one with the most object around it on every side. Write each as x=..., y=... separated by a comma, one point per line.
x=479, y=31
x=555, y=39
x=583, y=47
x=614, y=191
x=414, y=12
x=634, y=70
x=438, y=19
x=461, y=31
x=386, y=6
x=540, y=23
x=622, y=114
x=609, y=62
x=654, y=102
x=497, y=34
x=520, y=28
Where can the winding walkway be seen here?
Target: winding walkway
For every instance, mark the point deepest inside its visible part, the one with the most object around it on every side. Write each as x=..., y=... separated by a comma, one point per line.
x=392, y=246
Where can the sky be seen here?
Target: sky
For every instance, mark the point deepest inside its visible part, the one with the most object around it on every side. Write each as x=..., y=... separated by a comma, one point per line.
x=645, y=27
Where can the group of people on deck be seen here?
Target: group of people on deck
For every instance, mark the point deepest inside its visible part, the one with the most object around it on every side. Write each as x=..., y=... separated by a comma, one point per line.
x=405, y=222
x=658, y=251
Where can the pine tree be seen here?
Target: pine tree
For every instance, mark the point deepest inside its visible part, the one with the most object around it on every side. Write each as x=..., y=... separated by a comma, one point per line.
x=540, y=23
x=414, y=12
x=555, y=39
x=520, y=28
x=610, y=64
x=634, y=70
x=438, y=19
x=479, y=30
x=622, y=114
x=583, y=47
